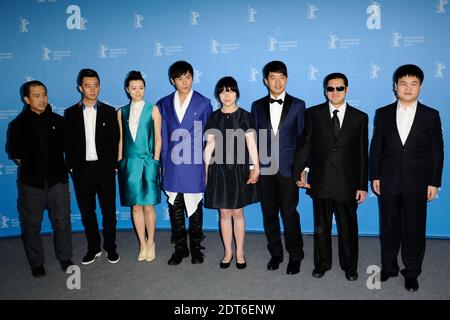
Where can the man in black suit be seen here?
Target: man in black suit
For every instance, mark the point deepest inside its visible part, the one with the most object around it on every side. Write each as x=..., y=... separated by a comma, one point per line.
x=92, y=143
x=278, y=121
x=334, y=147
x=407, y=155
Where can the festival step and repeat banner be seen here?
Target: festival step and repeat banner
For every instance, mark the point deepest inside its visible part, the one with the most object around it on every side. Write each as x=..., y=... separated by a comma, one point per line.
x=51, y=40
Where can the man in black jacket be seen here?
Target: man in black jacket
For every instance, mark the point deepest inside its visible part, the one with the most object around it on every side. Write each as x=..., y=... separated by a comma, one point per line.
x=36, y=144
x=334, y=144
x=407, y=156
x=92, y=150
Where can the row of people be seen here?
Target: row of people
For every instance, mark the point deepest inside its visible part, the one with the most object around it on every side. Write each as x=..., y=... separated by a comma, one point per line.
x=323, y=149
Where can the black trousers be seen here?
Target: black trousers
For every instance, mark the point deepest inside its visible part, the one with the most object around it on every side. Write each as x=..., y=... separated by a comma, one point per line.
x=280, y=195
x=403, y=225
x=347, y=226
x=89, y=181
x=32, y=204
x=177, y=213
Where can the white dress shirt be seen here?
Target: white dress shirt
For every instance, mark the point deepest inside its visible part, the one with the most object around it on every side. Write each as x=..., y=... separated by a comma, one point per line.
x=90, y=117
x=341, y=112
x=135, y=116
x=191, y=200
x=180, y=109
x=405, y=118
x=275, y=112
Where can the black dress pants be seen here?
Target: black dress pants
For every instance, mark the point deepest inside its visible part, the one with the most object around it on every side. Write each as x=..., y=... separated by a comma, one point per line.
x=347, y=225
x=177, y=213
x=403, y=225
x=91, y=180
x=280, y=195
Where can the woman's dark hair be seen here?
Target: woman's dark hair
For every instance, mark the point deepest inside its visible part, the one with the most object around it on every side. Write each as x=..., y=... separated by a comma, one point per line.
x=226, y=84
x=133, y=75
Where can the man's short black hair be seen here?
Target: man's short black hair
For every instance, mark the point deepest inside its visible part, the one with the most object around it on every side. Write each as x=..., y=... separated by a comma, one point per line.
x=335, y=75
x=26, y=88
x=227, y=84
x=275, y=66
x=180, y=68
x=87, y=73
x=408, y=70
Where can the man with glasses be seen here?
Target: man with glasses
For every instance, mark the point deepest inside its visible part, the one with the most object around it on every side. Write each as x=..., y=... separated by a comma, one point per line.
x=334, y=148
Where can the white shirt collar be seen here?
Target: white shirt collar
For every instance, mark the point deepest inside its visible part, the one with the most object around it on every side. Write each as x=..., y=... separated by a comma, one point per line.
x=341, y=109
x=281, y=96
x=411, y=109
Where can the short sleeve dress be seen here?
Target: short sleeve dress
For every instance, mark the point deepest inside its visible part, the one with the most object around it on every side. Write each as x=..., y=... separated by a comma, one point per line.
x=229, y=169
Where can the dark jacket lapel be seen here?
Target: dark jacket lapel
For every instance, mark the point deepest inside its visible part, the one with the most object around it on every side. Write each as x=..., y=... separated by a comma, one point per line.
x=286, y=105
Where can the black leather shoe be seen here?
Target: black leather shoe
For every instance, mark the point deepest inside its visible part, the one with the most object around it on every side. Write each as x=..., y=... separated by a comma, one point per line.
x=293, y=266
x=242, y=265
x=196, y=257
x=274, y=263
x=66, y=264
x=177, y=256
x=38, y=271
x=351, y=276
x=411, y=284
x=318, y=273
x=224, y=265
x=384, y=276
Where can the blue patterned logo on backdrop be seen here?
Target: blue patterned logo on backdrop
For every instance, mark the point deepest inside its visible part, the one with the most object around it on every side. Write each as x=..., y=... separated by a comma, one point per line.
x=138, y=19
x=439, y=69
x=312, y=8
x=440, y=7
x=194, y=18
x=253, y=75
x=251, y=15
x=23, y=26
x=4, y=221
x=312, y=72
x=374, y=69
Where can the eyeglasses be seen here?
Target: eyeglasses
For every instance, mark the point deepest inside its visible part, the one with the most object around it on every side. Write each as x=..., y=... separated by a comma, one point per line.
x=338, y=89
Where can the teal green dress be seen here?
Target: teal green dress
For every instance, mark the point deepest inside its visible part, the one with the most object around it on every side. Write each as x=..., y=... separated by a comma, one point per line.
x=138, y=170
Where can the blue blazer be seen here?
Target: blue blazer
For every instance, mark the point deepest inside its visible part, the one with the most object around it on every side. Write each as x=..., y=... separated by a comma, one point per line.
x=288, y=134
x=182, y=159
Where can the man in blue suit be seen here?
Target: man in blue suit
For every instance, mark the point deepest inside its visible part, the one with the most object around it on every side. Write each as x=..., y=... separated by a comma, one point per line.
x=184, y=116
x=278, y=121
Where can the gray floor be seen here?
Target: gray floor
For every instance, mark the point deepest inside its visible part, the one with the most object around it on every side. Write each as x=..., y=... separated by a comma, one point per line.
x=130, y=279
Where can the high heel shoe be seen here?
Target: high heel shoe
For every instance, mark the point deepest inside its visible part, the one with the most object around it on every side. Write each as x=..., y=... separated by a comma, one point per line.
x=142, y=254
x=224, y=265
x=241, y=265
x=151, y=255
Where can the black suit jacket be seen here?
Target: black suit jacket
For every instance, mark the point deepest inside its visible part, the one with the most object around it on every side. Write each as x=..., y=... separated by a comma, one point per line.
x=408, y=168
x=289, y=131
x=338, y=167
x=106, y=136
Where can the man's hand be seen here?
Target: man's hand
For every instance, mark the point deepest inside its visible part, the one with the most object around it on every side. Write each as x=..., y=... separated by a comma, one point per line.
x=361, y=196
x=376, y=186
x=302, y=183
x=431, y=193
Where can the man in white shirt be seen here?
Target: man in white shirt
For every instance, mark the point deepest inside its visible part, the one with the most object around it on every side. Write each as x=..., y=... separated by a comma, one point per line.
x=92, y=146
x=184, y=115
x=406, y=169
x=334, y=146
x=278, y=121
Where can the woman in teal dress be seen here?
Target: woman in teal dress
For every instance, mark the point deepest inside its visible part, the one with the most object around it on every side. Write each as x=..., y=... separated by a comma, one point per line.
x=139, y=152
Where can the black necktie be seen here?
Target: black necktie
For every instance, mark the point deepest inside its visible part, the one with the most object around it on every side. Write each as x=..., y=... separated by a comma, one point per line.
x=336, y=125
x=280, y=101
